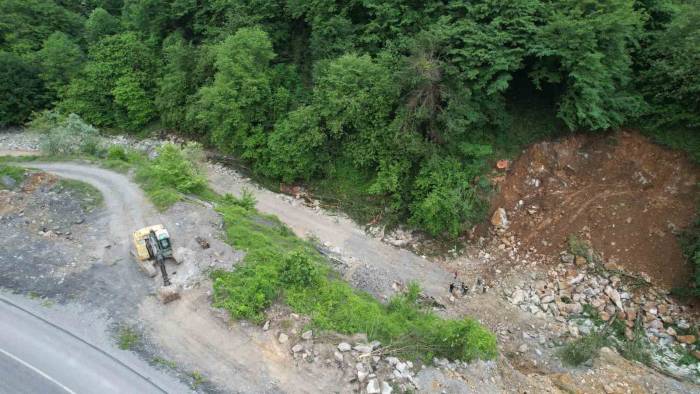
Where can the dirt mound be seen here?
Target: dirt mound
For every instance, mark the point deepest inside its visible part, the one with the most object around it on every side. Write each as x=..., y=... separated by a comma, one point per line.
x=626, y=195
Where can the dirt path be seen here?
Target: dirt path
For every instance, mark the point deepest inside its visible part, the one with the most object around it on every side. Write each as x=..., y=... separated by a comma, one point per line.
x=368, y=258
x=187, y=330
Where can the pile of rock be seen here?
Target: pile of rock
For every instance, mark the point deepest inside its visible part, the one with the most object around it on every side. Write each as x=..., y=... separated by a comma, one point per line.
x=570, y=287
x=375, y=373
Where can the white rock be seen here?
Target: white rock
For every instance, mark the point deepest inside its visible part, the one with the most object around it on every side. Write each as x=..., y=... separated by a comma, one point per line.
x=373, y=387
x=386, y=388
x=392, y=360
x=344, y=346
x=283, y=338
x=364, y=349
x=266, y=326
x=362, y=375
x=522, y=348
x=338, y=356
x=614, y=297
x=307, y=335
x=401, y=367
x=518, y=297
x=297, y=348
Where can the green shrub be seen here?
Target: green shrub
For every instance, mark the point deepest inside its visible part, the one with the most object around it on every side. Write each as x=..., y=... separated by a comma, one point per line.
x=70, y=136
x=299, y=270
x=116, y=152
x=583, y=349
x=16, y=173
x=21, y=88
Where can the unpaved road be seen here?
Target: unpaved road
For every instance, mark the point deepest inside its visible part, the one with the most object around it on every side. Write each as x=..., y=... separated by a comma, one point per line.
x=230, y=356
x=370, y=260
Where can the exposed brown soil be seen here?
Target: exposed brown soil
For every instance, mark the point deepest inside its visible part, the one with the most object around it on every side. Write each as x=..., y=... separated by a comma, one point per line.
x=626, y=195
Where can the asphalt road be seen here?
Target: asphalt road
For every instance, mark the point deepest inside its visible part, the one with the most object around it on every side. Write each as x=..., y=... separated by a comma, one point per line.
x=39, y=357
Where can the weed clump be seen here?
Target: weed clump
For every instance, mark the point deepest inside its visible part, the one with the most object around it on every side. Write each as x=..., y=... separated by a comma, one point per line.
x=16, y=174
x=127, y=338
x=169, y=175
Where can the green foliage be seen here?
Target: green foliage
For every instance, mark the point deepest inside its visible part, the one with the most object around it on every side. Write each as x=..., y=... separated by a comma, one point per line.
x=60, y=59
x=445, y=196
x=68, y=135
x=21, y=89
x=394, y=93
x=690, y=243
x=16, y=173
x=88, y=196
x=169, y=175
x=116, y=85
x=583, y=349
x=299, y=270
x=25, y=24
x=586, y=47
x=127, y=338
x=99, y=25
x=235, y=107
x=668, y=75
x=303, y=280
x=176, y=84
x=116, y=152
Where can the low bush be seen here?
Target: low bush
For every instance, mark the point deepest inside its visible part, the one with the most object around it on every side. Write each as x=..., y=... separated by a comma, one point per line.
x=66, y=135
x=302, y=279
x=15, y=173
x=169, y=175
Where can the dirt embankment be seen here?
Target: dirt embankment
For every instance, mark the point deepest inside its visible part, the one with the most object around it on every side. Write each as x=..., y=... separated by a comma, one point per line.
x=626, y=195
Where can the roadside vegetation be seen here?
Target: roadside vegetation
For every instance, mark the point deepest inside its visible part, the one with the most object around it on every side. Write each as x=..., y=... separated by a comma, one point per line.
x=127, y=338
x=410, y=100
x=89, y=196
x=610, y=334
x=279, y=267
x=15, y=174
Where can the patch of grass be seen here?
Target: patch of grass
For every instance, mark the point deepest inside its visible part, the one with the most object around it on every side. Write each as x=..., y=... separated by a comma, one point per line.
x=164, y=362
x=88, y=196
x=170, y=175
x=583, y=349
x=127, y=338
x=280, y=266
x=346, y=189
x=47, y=303
x=197, y=379
x=579, y=247
x=15, y=173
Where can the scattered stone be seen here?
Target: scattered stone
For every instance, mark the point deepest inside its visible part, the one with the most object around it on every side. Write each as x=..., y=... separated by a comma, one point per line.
x=362, y=375
x=363, y=349
x=168, y=294
x=297, y=348
x=567, y=258
x=338, y=356
x=266, y=326
x=522, y=348
x=373, y=387
x=499, y=219
x=283, y=338
x=386, y=388
x=687, y=339
x=307, y=335
x=614, y=297
x=344, y=347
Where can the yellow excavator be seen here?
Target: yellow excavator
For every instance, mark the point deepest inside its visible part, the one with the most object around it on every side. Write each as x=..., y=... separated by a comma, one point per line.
x=152, y=247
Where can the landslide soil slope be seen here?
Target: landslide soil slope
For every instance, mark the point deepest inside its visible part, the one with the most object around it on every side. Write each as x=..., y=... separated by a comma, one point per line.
x=626, y=195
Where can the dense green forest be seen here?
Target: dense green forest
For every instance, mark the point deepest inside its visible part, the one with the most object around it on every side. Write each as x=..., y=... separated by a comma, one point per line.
x=400, y=102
